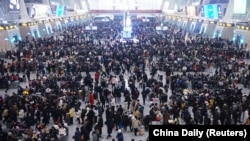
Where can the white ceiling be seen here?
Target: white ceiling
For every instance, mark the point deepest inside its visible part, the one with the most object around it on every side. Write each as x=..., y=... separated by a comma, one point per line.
x=125, y=4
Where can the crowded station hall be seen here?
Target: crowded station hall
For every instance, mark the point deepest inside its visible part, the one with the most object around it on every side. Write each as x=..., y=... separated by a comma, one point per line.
x=105, y=70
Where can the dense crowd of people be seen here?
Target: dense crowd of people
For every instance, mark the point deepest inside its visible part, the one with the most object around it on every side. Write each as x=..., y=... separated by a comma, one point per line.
x=100, y=81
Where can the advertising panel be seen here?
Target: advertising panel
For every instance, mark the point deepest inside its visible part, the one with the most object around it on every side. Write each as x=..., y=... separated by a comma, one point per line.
x=211, y=11
x=40, y=11
x=14, y=6
x=59, y=10
x=240, y=6
x=191, y=11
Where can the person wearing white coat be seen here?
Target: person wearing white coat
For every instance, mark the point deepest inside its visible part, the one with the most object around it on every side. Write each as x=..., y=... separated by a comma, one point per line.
x=21, y=114
x=78, y=115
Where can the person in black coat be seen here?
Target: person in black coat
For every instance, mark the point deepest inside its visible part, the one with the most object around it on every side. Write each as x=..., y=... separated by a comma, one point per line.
x=28, y=120
x=90, y=114
x=53, y=133
x=85, y=133
x=77, y=135
x=3, y=135
x=99, y=124
x=28, y=75
x=128, y=100
x=125, y=121
x=146, y=122
x=89, y=126
x=110, y=125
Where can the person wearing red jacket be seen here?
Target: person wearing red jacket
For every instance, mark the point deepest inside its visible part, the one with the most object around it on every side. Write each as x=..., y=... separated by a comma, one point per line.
x=97, y=76
x=91, y=98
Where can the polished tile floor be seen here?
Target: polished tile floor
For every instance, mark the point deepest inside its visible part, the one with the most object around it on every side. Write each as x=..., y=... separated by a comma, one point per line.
x=127, y=135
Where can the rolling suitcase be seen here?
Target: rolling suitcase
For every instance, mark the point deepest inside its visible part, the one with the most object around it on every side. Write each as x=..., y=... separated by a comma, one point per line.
x=141, y=131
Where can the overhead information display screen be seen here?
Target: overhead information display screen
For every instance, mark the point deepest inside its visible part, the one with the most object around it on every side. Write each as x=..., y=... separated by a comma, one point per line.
x=240, y=6
x=211, y=11
x=60, y=10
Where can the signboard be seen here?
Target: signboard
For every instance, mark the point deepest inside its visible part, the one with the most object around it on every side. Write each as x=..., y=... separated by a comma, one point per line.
x=14, y=6
x=40, y=11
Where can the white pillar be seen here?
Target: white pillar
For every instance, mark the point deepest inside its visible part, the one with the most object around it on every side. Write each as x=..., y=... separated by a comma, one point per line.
x=80, y=4
x=72, y=4
x=87, y=4
x=229, y=13
x=23, y=12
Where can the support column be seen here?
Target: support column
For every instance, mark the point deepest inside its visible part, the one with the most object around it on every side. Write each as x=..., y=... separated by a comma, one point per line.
x=127, y=28
x=83, y=5
x=47, y=2
x=162, y=5
x=171, y=4
x=80, y=4
x=229, y=13
x=181, y=4
x=69, y=3
x=248, y=16
x=87, y=4
x=23, y=12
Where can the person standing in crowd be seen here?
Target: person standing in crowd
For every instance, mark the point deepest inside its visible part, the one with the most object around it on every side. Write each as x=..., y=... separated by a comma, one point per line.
x=3, y=135
x=125, y=121
x=113, y=82
x=97, y=76
x=110, y=125
x=119, y=135
x=71, y=115
x=99, y=124
x=91, y=98
x=78, y=115
x=95, y=134
x=144, y=96
x=78, y=135
x=135, y=125
x=85, y=134
x=53, y=133
x=28, y=74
